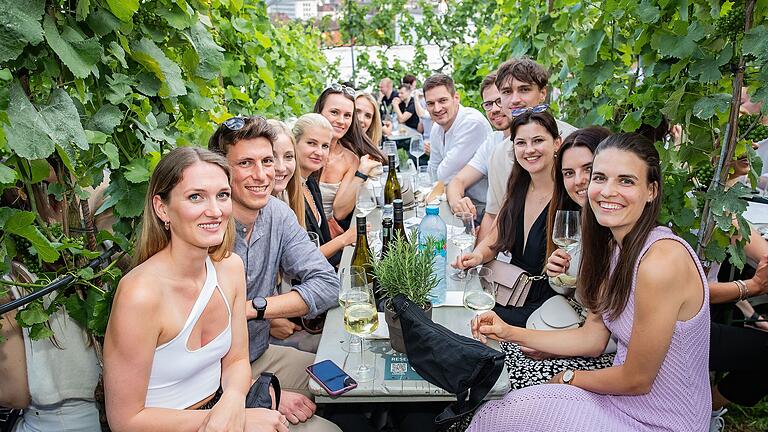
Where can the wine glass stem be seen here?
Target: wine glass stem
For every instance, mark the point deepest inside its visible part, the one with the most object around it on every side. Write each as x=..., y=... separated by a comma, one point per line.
x=362, y=366
x=462, y=272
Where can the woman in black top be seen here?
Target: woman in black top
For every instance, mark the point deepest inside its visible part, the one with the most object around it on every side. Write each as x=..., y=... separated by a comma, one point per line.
x=313, y=135
x=520, y=229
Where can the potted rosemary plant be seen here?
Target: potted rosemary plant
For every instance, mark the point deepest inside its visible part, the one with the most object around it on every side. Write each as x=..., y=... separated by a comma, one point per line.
x=408, y=271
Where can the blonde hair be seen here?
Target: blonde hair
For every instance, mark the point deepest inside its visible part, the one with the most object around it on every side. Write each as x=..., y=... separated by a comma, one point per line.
x=374, y=131
x=169, y=173
x=293, y=190
x=310, y=120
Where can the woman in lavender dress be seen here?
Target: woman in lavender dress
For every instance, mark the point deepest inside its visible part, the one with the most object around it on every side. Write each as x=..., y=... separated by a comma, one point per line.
x=641, y=283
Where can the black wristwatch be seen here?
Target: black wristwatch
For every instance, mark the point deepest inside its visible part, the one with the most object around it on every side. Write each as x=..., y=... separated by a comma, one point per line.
x=260, y=304
x=361, y=175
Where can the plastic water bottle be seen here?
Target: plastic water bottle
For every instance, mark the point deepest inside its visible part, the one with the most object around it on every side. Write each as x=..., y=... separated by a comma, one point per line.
x=432, y=229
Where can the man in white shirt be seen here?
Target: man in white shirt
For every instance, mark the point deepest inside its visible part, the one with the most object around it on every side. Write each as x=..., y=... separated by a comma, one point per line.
x=523, y=84
x=476, y=171
x=457, y=131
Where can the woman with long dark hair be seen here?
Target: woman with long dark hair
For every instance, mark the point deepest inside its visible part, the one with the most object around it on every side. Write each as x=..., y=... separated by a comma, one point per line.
x=641, y=283
x=351, y=160
x=176, y=346
x=520, y=230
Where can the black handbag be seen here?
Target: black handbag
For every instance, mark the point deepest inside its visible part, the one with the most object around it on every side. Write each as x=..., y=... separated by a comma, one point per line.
x=258, y=395
x=458, y=364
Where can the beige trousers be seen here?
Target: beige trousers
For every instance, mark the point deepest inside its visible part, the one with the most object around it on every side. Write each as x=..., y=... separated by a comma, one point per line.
x=289, y=365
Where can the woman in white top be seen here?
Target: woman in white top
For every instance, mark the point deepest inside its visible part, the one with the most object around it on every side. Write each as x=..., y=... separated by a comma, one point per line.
x=173, y=347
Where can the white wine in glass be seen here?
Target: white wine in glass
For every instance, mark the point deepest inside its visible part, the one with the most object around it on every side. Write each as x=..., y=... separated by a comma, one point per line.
x=361, y=319
x=464, y=239
x=567, y=230
x=479, y=290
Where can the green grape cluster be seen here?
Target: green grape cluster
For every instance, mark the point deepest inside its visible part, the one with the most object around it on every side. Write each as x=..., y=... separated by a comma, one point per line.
x=731, y=25
x=704, y=174
x=23, y=254
x=757, y=132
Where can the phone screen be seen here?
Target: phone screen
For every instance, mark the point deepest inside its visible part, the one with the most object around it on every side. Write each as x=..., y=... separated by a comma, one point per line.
x=331, y=375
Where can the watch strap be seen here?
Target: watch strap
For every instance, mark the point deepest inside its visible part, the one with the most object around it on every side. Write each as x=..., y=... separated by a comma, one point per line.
x=259, y=310
x=361, y=175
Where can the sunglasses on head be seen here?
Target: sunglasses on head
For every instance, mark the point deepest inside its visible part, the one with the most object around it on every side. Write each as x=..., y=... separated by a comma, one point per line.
x=536, y=109
x=342, y=89
x=238, y=122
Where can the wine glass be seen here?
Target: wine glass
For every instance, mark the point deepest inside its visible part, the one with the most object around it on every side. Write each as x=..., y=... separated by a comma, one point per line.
x=351, y=277
x=463, y=237
x=480, y=290
x=390, y=148
x=366, y=200
x=417, y=148
x=567, y=230
x=314, y=238
x=361, y=319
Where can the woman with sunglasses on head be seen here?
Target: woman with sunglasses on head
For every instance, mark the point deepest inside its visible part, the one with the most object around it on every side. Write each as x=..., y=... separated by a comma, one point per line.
x=369, y=117
x=641, y=283
x=572, y=172
x=186, y=368
x=313, y=135
x=352, y=158
x=519, y=235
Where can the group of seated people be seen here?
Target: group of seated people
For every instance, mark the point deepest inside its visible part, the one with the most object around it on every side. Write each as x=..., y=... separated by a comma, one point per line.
x=224, y=267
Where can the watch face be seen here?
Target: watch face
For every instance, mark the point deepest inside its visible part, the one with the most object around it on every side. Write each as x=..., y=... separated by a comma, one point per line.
x=567, y=376
x=259, y=303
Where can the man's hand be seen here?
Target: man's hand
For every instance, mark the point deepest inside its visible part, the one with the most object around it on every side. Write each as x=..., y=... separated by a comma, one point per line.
x=296, y=407
x=281, y=328
x=464, y=205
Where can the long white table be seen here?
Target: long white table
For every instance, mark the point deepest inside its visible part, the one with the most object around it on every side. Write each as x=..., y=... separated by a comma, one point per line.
x=334, y=340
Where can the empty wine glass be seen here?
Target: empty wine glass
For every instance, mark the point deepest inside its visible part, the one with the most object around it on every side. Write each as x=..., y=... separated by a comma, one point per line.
x=567, y=230
x=479, y=290
x=390, y=148
x=353, y=276
x=361, y=319
x=463, y=237
x=314, y=238
x=417, y=148
x=366, y=199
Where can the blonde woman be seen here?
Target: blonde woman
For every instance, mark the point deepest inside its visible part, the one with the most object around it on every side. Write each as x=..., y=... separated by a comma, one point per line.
x=176, y=346
x=287, y=185
x=367, y=110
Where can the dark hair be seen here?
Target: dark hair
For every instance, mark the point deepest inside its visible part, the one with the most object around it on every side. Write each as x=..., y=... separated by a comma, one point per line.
x=354, y=140
x=409, y=80
x=590, y=138
x=489, y=80
x=600, y=293
x=518, y=182
x=255, y=127
x=404, y=85
x=654, y=133
x=523, y=69
x=438, y=80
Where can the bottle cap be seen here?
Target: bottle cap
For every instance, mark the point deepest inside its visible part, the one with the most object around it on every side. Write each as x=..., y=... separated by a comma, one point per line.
x=433, y=209
x=397, y=203
x=388, y=211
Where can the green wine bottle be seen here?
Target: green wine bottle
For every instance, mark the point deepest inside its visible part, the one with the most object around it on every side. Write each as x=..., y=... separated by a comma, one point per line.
x=399, y=228
x=362, y=256
x=392, y=186
x=386, y=230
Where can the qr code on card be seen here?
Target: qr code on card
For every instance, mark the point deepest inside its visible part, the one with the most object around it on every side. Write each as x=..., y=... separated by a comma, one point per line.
x=398, y=369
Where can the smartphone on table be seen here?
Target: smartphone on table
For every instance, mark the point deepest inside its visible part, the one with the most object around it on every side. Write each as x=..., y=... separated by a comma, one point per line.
x=331, y=377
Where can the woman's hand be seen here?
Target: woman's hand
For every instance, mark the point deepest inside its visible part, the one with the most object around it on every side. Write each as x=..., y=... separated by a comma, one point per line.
x=368, y=166
x=350, y=235
x=469, y=260
x=759, y=282
x=558, y=263
x=557, y=379
x=264, y=420
x=281, y=328
x=534, y=354
x=227, y=415
x=489, y=325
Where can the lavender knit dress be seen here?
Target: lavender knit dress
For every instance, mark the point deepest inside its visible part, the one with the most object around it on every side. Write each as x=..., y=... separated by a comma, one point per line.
x=679, y=399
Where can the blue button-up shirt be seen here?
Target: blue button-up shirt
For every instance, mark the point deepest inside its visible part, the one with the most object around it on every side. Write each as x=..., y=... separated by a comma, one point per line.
x=279, y=243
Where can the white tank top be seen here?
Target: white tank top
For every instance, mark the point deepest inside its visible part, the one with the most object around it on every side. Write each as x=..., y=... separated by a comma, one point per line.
x=180, y=377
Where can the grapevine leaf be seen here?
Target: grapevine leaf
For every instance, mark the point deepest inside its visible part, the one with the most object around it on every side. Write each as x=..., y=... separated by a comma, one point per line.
x=21, y=223
x=7, y=174
x=591, y=46
x=64, y=121
x=269, y=79
x=39, y=170
x=97, y=311
x=132, y=203
x=708, y=69
x=123, y=9
x=83, y=8
x=756, y=42
x=34, y=313
x=5, y=261
x=85, y=273
x=631, y=121
x=78, y=55
x=39, y=331
x=708, y=106
x=680, y=46
x=210, y=54
x=106, y=119
x=75, y=307
x=137, y=171
x=112, y=153
x=28, y=133
x=737, y=256
x=175, y=17
x=19, y=26
x=102, y=22
x=647, y=12
x=154, y=59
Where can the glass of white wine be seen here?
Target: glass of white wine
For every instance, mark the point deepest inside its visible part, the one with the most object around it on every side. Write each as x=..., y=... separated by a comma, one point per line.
x=361, y=319
x=566, y=234
x=366, y=199
x=479, y=290
x=352, y=276
x=463, y=238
